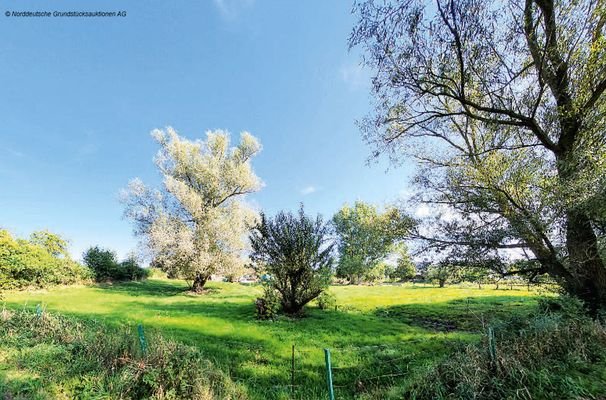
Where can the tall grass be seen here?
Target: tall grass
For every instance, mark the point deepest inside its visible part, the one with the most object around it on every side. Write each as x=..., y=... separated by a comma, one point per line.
x=558, y=353
x=59, y=357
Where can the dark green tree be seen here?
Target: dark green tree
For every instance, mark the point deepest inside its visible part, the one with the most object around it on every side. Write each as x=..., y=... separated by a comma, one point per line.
x=102, y=262
x=405, y=268
x=294, y=250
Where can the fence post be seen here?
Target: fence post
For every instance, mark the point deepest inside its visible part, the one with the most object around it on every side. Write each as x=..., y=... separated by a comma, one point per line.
x=492, y=346
x=292, y=370
x=331, y=393
x=142, y=340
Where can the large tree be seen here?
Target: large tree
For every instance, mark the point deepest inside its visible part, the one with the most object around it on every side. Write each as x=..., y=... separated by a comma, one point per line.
x=503, y=105
x=366, y=236
x=196, y=225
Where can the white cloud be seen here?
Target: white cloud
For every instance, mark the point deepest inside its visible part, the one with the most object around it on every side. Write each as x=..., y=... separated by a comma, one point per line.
x=308, y=190
x=230, y=9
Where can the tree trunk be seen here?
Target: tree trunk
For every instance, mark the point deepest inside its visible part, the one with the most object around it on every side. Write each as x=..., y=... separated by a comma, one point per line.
x=588, y=281
x=586, y=277
x=291, y=308
x=442, y=283
x=199, y=282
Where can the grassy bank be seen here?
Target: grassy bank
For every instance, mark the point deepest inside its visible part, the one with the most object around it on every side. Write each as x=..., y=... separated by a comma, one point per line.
x=48, y=356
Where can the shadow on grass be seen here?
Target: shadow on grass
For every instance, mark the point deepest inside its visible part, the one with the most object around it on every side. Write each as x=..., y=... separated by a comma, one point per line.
x=372, y=351
x=151, y=287
x=469, y=314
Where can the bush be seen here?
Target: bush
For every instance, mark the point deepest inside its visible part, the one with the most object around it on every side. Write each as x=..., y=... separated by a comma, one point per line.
x=268, y=306
x=40, y=262
x=375, y=274
x=294, y=251
x=106, y=267
x=326, y=301
x=156, y=273
x=75, y=359
x=546, y=356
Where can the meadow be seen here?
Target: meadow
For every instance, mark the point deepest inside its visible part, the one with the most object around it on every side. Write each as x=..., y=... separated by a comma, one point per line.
x=380, y=337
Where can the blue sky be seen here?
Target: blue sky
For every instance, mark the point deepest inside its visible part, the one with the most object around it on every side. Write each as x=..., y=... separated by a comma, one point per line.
x=80, y=97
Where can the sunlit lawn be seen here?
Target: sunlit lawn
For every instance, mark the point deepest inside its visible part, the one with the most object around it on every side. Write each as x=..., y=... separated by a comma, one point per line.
x=379, y=337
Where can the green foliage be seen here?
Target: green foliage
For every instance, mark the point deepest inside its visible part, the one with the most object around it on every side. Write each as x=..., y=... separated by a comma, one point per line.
x=442, y=273
x=156, y=273
x=405, y=267
x=268, y=306
x=102, y=262
x=366, y=236
x=53, y=243
x=37, y=264
x=375, y=274
x=326, y=301
x=378, y=330
x=522, y=169
x=72, y=359
x=547, y=356
x=105, y=266
x=478, y=275
x=294, y=250
x=130, y=270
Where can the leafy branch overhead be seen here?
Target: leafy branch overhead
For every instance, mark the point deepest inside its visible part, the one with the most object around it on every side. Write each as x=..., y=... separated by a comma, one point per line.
x=503, y=106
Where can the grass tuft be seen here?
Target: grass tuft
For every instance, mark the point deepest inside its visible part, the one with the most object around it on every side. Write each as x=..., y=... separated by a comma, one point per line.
x=51, y=356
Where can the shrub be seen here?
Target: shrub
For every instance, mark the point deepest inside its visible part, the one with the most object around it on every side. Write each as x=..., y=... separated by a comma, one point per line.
x=106, y=267
x=90, y=360
x=268, y=306
x=130, y=270
x=326, y=301
x=294, y=251
x=156, y=273
x=546, y=356
x=37, y=263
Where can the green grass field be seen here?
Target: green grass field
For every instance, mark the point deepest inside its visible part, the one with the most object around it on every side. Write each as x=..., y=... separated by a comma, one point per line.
x=380, y=337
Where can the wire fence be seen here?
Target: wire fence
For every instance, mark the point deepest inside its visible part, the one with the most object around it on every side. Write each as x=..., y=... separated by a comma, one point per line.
x=331, y=372
x=346, y=371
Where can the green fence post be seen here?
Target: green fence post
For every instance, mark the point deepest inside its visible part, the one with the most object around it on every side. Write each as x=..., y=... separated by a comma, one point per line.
x=331, y=392
x=142, y=340
x=292, y=370
x=492, y=346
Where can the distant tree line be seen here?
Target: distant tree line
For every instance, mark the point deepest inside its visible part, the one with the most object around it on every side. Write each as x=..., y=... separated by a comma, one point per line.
x=43, y=260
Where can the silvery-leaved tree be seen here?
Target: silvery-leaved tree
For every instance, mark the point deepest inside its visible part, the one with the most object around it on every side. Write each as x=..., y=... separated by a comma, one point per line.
x=503, y=104
x=196, y=225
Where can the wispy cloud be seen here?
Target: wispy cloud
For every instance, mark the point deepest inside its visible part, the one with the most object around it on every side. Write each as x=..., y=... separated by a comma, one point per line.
x=15, y=153
x=308, y=190
x=231, y=9
x=355, y=76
